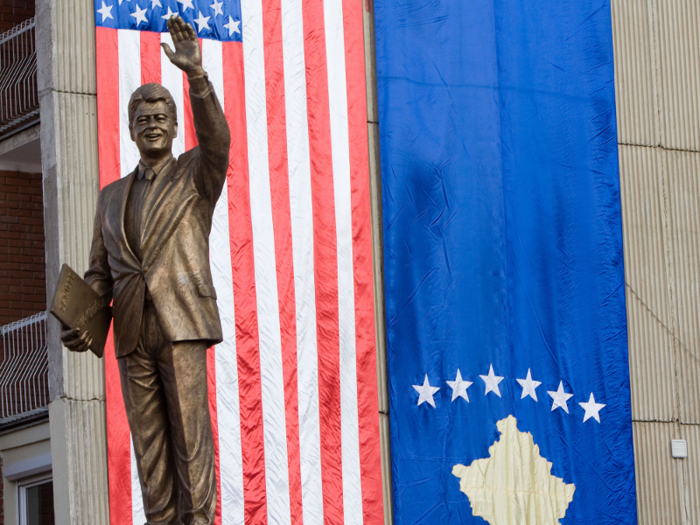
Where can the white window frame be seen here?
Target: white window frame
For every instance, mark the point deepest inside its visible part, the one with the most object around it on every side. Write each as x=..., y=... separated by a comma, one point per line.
x=22, y=486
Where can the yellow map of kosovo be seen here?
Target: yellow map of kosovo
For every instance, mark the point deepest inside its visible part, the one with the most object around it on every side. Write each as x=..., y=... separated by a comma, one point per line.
x=514, y=485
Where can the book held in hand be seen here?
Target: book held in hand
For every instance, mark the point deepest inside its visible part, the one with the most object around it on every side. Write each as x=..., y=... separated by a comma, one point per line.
x=80, y=307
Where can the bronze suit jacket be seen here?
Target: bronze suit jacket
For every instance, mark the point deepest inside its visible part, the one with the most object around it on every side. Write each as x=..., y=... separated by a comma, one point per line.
x=174, y=241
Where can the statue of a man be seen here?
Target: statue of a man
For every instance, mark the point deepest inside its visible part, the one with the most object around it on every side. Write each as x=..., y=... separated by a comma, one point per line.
x=150, y=252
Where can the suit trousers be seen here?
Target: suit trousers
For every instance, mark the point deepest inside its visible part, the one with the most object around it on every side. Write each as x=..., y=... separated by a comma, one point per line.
x=165, y=393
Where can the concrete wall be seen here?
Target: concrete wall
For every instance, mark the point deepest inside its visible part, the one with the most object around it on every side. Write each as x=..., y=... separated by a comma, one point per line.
x=657, y=68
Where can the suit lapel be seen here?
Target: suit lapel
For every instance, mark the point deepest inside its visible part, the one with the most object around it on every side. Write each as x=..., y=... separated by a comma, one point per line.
x=122, y=219
x=169, y=206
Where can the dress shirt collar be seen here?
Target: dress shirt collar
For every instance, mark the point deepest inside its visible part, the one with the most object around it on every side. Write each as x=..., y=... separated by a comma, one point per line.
x=157, y=168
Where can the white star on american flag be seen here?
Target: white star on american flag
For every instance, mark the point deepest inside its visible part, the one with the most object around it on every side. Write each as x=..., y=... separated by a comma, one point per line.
x=232, y=26
x=216, y=6
x=139, y=15
x=155, y=3
x=202, y=22
x=186, y=4
x=105, y=11
x=167, y=15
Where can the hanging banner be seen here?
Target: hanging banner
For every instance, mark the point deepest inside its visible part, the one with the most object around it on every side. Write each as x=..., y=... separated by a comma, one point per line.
x=505, y=296
x=293, y=386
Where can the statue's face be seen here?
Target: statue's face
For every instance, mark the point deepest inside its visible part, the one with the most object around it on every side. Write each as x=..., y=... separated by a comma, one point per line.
x=153, y=129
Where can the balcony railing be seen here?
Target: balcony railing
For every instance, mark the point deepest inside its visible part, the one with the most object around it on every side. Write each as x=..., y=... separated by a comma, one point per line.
x=24, y=368
x=19, y=96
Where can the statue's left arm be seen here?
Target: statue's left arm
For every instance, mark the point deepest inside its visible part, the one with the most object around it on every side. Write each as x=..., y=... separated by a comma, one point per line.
x=210, y=124
x=213, y=136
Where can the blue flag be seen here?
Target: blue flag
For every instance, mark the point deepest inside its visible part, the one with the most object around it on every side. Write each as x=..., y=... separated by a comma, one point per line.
x=505, y=296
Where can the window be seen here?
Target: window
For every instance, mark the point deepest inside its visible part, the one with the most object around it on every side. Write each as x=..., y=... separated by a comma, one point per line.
x=35, y=498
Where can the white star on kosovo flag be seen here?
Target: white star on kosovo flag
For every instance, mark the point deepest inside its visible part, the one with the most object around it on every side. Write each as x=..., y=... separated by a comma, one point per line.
x=426, y=392
x=167, y=15
x=202, y=21
x=139, y=15
x=232, y=26
x=459, y=387
x=186, y=4
x=492, y=381
x=105, y=11
x=216, y=6
x=560, y=398
x=529, y=386
x=592, y=409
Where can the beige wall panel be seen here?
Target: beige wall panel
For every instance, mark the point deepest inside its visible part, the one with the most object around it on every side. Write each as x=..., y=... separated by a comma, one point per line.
x=76, y=154
x=691, y=466
x=684, y=227
x=79, y=455
x=70, y=41
x=641, y=171
x=678, y=23
x=635, y=91
x=657, y=474
x=70, y=192
x=651, y=355
x=689, y=385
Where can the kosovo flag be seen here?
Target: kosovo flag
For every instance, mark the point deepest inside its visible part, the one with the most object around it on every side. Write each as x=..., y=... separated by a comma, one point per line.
x=505, y=296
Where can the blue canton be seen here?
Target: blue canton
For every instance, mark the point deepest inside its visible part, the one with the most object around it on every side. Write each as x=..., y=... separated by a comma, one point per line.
x=213, y=19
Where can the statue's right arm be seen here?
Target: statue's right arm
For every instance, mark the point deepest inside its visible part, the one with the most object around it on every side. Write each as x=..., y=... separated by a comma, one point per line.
x=98, y=276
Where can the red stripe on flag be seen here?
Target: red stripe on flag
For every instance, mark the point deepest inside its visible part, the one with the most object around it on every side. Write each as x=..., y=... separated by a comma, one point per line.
x=150, y=57
x=282, y=226
x=365, y=338
x=118, y=441
x=187, y=127
x=245, y=301
x=325, y=259
x=211, y=385
x=108, y=104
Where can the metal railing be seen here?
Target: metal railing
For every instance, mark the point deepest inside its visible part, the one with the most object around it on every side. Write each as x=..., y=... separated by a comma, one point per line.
x=19, y=95
x=24, y=369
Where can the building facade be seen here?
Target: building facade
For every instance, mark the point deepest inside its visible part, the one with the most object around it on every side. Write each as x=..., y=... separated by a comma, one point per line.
x=657, y=67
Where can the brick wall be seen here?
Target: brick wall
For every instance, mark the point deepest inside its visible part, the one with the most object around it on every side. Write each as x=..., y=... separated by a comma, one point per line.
x=14, y=12
x=22, y=263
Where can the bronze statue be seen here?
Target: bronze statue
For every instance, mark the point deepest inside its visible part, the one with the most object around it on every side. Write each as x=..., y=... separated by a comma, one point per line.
x=150, y=253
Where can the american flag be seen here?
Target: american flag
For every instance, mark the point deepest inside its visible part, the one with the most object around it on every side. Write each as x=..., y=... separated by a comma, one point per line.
x=293, y=392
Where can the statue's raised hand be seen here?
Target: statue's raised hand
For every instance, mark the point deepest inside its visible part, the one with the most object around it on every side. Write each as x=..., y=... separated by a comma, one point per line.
x=188, y=54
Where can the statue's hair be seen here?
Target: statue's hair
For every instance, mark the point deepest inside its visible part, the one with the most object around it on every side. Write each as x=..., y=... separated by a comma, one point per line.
x=152, y=92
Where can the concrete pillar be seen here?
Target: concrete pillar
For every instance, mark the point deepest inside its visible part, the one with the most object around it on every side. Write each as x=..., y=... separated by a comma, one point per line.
x=67, y=87
x=378, y=253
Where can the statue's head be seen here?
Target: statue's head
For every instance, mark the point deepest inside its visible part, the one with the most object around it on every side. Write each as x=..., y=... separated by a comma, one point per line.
x=152, y=120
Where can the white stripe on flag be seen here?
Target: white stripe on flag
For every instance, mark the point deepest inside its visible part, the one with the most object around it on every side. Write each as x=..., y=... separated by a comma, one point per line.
x=340, y=144
x=129, y=43
x=271, y=374
x=172, y=80
x=303, y=256
x=138, y=515
x=129, y=80
x=227, y=402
